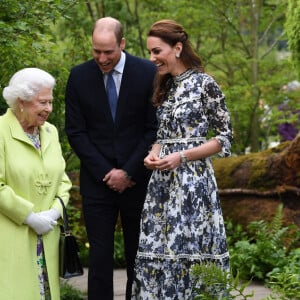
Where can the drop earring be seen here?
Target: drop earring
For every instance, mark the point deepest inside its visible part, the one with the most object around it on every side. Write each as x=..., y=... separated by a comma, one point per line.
x=177, y=55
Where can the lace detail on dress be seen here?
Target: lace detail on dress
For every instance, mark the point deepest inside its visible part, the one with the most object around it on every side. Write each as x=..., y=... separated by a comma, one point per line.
x=183, y=75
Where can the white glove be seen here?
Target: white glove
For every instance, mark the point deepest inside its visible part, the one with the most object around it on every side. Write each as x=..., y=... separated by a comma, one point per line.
x=52, y=214
x=39, y=224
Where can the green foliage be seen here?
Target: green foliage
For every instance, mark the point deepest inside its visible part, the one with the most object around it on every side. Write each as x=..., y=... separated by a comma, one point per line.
x=67, y=292
x=73, y=163
x=292, y=27
x=27, y=39
x=119, y=255
x=266, y=249
x=284, y=281
x=211, y=282
x=56, y=35
x=25, y=28
x=270, y=246
x=234, y=233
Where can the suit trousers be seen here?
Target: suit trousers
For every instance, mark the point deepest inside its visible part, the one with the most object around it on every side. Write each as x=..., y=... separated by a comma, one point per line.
x=100, y=216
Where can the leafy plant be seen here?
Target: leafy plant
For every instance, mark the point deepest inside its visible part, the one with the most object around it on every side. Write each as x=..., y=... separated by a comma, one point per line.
x=119, y=256
x=284, y=281
x=235, y=233
x=68, y=292
x=211, y=282
x=266, y=249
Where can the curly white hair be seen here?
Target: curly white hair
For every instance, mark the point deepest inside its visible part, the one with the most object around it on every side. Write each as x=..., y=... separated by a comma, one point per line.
x=25, y=84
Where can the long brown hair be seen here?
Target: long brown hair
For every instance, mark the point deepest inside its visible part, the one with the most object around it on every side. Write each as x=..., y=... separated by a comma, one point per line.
x=171, y=33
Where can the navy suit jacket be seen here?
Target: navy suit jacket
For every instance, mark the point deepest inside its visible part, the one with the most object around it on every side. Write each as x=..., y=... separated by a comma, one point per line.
x=100, y=143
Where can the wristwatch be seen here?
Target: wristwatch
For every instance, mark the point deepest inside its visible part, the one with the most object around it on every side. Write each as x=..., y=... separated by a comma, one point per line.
x=182, y=157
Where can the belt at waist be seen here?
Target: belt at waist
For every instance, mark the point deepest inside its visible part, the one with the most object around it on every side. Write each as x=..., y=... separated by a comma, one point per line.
x=181, y=140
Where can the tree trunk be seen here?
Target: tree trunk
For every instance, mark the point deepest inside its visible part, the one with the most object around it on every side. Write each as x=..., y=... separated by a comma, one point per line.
x=252, y=186
x=268, y=170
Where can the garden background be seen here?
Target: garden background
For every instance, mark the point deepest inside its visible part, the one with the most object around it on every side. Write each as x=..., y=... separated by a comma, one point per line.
x=252, y=48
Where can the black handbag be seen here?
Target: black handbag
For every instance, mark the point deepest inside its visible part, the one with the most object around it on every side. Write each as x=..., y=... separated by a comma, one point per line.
x=69, y=262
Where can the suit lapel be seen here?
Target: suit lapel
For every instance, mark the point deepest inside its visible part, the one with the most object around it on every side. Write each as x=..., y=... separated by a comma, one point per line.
x=126, y=85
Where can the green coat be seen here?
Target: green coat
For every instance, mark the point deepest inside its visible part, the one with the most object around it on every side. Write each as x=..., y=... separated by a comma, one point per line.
x=29, y=181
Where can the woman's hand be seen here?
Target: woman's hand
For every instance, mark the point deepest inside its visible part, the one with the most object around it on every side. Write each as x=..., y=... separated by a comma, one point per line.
x=40, y=224
x=150, y=160
x=52, y=214
x=168, y=162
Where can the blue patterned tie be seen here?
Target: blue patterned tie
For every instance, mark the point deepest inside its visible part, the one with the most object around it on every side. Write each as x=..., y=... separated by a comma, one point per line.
x=112, y=93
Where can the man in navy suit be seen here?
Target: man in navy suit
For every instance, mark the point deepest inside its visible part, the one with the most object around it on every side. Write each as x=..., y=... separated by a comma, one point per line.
x=111, y=149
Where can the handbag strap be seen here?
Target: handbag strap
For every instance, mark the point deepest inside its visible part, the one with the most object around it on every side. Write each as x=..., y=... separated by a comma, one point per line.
x=65, y=217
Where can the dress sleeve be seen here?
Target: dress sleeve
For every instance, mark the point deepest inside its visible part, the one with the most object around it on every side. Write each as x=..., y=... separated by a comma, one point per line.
x=218, y=116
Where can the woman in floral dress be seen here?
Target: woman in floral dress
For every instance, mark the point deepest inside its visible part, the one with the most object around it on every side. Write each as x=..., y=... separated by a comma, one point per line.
x=182, y=222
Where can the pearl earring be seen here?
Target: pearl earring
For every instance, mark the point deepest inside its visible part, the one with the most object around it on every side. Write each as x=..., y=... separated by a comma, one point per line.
x=177, y=55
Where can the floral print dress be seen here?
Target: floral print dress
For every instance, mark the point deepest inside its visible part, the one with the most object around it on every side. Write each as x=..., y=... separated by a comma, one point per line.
x=182, y=222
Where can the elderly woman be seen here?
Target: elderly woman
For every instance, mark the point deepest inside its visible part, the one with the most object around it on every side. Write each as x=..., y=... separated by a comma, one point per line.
x=32, y=174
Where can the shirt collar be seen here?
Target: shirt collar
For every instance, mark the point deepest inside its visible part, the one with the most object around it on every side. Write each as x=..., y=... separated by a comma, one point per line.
x=119, y=67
